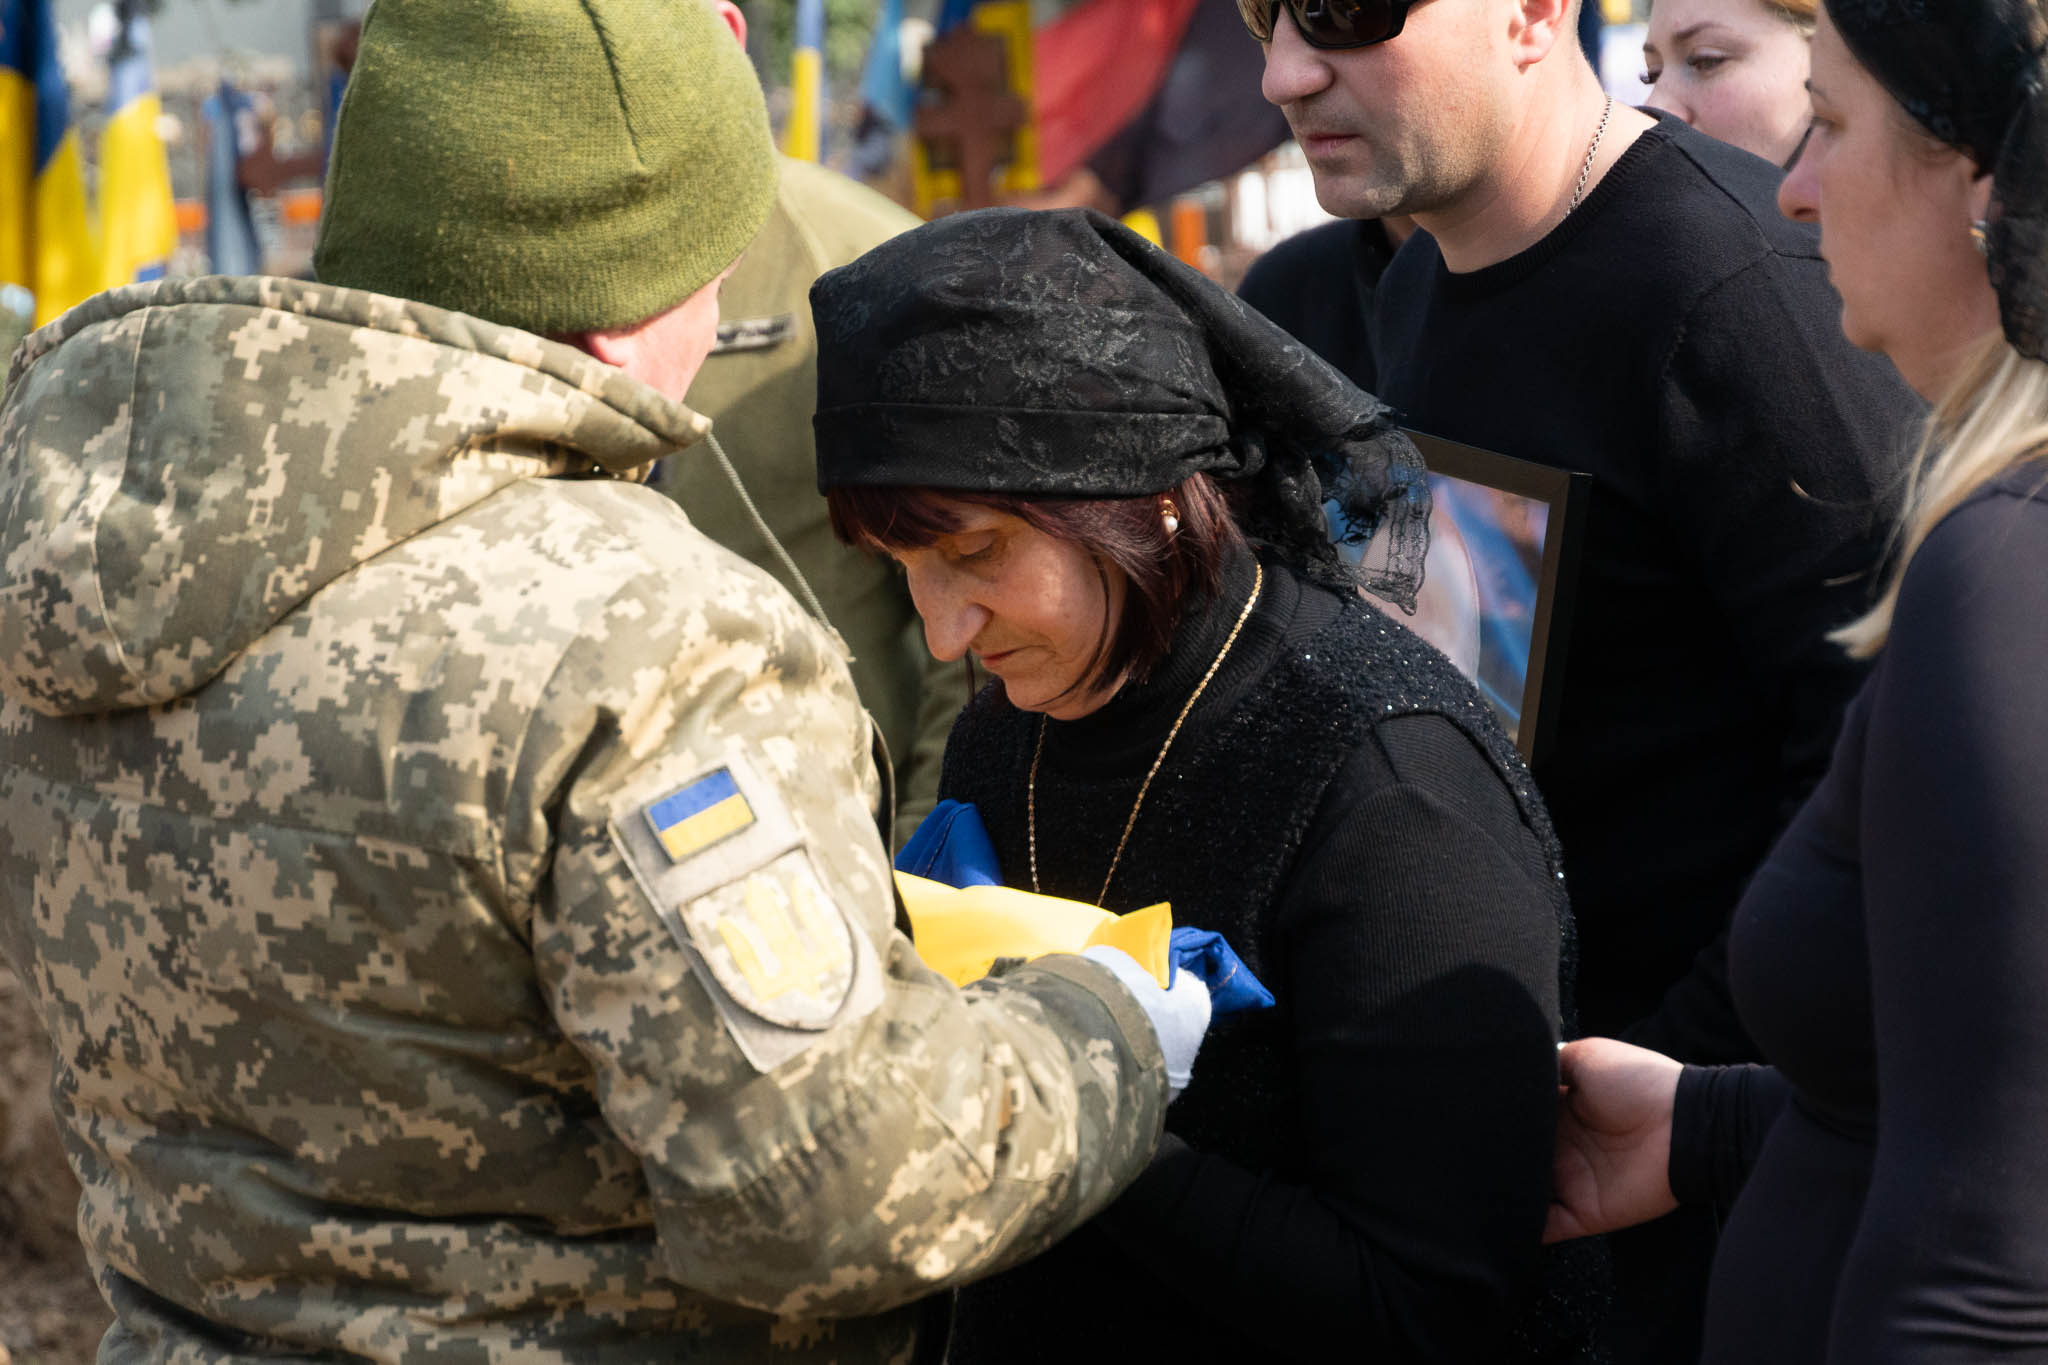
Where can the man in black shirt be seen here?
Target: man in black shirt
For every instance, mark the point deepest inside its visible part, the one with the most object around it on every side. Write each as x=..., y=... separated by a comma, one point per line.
x=1598, y=289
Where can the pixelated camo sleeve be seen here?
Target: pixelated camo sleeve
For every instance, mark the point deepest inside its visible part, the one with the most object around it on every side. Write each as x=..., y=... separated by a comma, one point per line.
x=827, y=1127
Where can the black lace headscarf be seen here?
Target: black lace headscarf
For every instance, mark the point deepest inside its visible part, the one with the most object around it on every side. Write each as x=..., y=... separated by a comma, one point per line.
x=1059, y=354
x=1971, y=73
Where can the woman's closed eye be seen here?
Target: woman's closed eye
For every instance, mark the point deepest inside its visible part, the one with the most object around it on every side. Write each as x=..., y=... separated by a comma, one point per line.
x=976, y=547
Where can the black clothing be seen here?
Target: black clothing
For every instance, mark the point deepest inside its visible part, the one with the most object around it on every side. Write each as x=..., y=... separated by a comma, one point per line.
x=1972, y=73
x=1367, y=1162
x=1060, y=354
x=1677, y=339
x=1319, y=286
x=1719, y=1121
x=1961, y=69
x=1892, y=959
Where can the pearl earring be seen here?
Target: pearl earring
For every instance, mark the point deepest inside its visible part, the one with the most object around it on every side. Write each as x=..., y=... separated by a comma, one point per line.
x=1169, y=516
x=1980, y=237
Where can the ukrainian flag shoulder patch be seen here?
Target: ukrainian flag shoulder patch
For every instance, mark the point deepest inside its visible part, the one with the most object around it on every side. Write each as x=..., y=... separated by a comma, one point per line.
x=693, y=818
x=767, y=931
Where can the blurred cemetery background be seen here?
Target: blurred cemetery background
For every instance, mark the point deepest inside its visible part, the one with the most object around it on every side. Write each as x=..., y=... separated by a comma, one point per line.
x=1145, y=108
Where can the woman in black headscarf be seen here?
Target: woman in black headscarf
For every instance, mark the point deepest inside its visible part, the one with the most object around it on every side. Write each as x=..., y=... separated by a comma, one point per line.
x=1891, y=957
x=1115, y=485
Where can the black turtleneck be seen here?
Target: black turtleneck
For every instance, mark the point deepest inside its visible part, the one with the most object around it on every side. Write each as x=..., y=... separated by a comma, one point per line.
x=1368, y=1163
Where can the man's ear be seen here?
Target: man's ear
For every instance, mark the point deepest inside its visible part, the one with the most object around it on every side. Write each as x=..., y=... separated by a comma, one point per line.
x=613, y=348
x=734, y=20
x=1538, y=27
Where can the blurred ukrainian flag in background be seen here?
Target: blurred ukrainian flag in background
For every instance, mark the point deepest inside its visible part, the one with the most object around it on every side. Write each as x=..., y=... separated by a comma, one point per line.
x=46, y=236
x=803, y=136
x=138, y=225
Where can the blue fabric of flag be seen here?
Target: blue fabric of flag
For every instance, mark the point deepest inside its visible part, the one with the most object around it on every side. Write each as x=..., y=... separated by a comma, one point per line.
x=952, y=14
x=700, y=795
x=231, y=243
x=810, y=24
x=882, y=87
x=128, y=75
x=700, y=815
x=951, y=845
x=28, y=45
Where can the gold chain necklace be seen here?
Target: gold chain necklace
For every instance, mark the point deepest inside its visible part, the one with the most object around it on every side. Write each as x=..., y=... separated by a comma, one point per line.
x=1038, y=749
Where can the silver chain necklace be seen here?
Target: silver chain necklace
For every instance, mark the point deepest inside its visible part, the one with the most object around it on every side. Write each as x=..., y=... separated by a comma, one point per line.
x=1591, y=152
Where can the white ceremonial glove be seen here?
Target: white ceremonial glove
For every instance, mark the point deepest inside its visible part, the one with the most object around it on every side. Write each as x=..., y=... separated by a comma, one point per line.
x=1180, y=1016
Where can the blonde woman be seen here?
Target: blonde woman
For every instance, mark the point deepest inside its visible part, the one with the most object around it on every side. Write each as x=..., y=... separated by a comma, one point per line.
x=1891, y=957
x=1734, y=69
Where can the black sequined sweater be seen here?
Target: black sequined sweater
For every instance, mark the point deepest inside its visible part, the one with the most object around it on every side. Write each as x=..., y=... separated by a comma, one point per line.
x=1368, y=1163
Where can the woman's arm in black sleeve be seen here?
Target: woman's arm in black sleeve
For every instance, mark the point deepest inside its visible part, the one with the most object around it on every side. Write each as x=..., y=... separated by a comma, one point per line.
x=1421, y=943
x=1719, y=1120
x=1950, y=1263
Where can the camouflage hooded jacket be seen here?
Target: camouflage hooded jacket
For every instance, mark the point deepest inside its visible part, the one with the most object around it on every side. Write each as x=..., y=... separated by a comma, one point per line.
x=448, y=879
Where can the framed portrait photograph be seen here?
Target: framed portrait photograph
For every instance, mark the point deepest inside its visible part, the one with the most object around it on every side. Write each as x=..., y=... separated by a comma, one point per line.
x=1497, y=585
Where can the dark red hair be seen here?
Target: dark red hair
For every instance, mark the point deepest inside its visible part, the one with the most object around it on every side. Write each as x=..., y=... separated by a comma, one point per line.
x=1125, y=534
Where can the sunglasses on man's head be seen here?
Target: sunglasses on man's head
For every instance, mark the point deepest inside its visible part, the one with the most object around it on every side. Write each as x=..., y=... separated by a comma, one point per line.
x=1329, y=23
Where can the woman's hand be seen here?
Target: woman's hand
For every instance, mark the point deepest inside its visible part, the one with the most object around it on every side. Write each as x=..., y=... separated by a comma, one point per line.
x=1612, y=1166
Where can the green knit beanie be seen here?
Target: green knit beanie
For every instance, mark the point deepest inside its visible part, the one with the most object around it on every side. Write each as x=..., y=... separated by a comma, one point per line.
x=553, y=165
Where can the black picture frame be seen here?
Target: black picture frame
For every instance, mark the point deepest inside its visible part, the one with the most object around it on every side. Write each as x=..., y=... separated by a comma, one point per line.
x=1520, y=526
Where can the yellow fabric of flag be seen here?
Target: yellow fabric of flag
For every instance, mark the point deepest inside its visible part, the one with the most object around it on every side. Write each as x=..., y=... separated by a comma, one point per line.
x=961, y=931
x=138, y=222
x=47, y=242
x=801, y=140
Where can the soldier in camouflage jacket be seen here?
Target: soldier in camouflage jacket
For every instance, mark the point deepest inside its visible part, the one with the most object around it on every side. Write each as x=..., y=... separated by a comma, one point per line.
x=336, y=702
x=449, y=881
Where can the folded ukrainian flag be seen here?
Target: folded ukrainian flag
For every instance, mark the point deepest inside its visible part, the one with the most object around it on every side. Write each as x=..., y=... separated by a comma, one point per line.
x=962, y=918
x=961, y=931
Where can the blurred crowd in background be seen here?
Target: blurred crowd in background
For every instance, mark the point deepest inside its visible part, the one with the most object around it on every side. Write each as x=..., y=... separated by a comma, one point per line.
x=190, y=136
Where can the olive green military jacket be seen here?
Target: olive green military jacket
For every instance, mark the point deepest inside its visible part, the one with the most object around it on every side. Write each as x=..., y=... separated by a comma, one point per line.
x=761, y=386
x=449, y=880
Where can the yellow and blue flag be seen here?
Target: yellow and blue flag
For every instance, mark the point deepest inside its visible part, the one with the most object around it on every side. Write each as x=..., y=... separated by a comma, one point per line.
x=803, y=138
x=46, y=234
x=699, y=815
x=138, y=224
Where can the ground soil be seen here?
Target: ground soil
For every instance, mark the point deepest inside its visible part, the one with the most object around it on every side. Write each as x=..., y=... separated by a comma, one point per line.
x=50, y=1313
